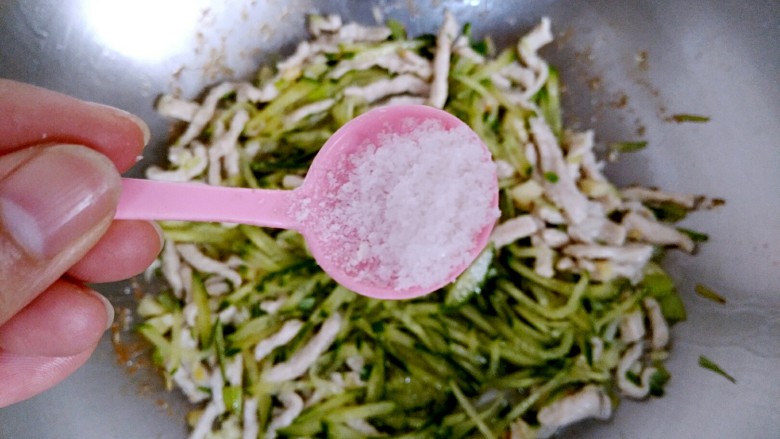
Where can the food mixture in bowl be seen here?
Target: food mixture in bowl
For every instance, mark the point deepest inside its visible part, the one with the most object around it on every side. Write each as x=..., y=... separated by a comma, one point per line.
x=565, y=313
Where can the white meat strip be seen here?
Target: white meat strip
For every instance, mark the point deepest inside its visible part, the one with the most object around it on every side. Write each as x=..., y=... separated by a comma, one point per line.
x=228, y=314
x=235, y=261
x=633, y=254
x=520, y=100
x=306, y=355
x=581, y=151
x=246, y=92
x=597, y=348
x=307, y=110
x=226, y=146
x=181, y=109
x=214, y=171
x=179, y=155
x=610, y=201
x=593, y=168
x=252, y=147
x=598, y=229
x=548, y=214
x=577, y=147
x=287, y=332
x=564, y=192
x=554, y=238
x=403, y=100
x=500, y=82
x=171, y=266
x=628, y=388
x=354, y=32
x=611, y=233
x=190, y=312
x=319, y=24
x=518, y=74
x=578, y=144
x=400, y=62
x=250, y=423
x=191, y=389
x=653, y=195
x=355, y=363
x=659, y=329
x=629, y=271
x=293, y=406
x=272, y=306
x=337, y=379
x=504, y=169
x=441, y=60
x=205, y=422
x=638, y=207
x=204, y=114
x=590, y=402
x=416, y=64
x=216, y=286
x=304, y=52
x=386, y=87
x=518, y=129
x=566, y=264
x=217, y=385
x=656, y=233
x=462, y=47
x=233, y=315
x=185, y=272
x=606, y=270
x=632, y=327
x=525, y=193
x=543, y=264
x=187, y=341
x=234, y=370
x=511, y=230
x=527, y=49
x=201, y=262
x=190, y=163
x=597, y=188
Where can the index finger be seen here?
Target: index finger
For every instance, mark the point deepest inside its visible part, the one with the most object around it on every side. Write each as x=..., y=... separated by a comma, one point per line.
x=34, y=115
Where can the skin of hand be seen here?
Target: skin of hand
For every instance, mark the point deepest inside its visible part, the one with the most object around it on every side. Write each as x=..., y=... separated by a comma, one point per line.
x=60, y=165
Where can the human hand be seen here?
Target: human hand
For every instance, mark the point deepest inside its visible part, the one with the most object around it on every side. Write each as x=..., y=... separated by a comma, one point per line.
x=57, y=202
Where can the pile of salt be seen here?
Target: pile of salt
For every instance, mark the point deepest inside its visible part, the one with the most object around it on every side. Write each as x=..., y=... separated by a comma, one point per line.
x=405, y=209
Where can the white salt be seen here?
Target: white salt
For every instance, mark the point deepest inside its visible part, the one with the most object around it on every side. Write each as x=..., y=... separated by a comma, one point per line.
x=406, y=210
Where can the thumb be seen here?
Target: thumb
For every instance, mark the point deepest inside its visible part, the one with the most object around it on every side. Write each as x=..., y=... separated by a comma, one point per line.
x=55, y=203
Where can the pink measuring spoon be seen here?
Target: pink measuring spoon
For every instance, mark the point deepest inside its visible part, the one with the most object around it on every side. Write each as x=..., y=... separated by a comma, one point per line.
x=160, y=200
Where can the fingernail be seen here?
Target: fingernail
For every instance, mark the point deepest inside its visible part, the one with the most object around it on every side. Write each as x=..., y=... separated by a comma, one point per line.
x=109, y=307
x=55, y=197
x=130, y=116
x=141, y=124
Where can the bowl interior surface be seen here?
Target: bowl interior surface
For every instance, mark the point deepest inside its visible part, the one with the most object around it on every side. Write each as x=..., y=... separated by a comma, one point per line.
x=627, y=67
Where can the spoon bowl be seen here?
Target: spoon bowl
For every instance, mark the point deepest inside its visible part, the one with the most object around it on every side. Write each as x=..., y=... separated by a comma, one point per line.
x=349, y=231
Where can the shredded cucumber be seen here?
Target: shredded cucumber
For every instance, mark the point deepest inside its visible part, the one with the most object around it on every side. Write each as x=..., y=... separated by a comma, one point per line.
x=480, y=357
x=471, y=281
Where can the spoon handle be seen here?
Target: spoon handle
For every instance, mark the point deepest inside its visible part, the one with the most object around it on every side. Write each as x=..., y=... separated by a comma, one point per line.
x=164, y=200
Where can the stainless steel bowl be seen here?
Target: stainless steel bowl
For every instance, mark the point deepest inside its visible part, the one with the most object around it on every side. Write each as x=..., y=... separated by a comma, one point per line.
x=627, y=65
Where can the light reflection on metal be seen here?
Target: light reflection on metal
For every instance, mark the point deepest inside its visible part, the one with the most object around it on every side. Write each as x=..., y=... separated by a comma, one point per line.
x=143, y=30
